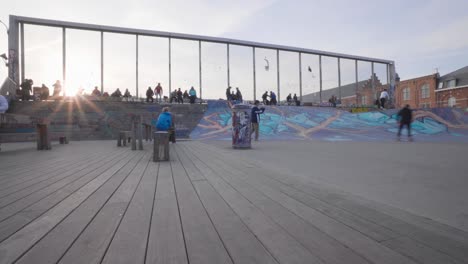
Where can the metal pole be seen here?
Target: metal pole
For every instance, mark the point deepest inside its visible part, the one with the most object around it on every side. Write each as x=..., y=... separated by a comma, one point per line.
x=102, y=63
x=228, y=69
x=300, y=76
x=23, y=73
x=278, y=74
x=373, y=81
x=13, y=51
x=320, y=76
x=254, y=75
x=200, y=68
x=339, y=78
x=388, y=74
x=136, y=79
x=170, y=73
x=64, y=60
x=357, y=80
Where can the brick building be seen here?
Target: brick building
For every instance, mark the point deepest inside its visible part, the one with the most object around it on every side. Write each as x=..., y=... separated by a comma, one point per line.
x=452, y=89
x=418, y=92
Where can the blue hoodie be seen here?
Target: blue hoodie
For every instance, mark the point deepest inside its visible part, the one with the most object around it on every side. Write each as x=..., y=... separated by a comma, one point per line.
x=164, y=121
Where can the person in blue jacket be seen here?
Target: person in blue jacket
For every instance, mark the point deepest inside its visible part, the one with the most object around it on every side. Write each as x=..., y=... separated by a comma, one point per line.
x=193, y=95
x=166, y=123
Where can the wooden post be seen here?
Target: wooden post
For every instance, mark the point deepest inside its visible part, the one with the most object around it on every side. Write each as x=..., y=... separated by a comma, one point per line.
x=161, y=146
x=134, y=134
x=140, y=136
x=43, y=140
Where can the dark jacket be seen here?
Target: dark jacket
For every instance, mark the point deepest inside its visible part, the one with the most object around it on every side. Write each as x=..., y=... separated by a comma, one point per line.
x=405, y=115
x=255, y=112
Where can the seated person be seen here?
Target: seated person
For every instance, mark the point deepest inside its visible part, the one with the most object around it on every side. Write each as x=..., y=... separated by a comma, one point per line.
x=117, y=93
x=96, y=92
x=44, y=92
x=166, y=123
x=127, y=93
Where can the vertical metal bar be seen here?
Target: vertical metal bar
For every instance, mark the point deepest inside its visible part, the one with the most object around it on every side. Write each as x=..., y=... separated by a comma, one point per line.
x=228, y=69
x=23, y=73
x=357, y=80
x=254, y=75
x=64, y=60
x=136, y=66
x=373, y=82
x=388, y=74
x=300, y=76
x=200, y=68
x=278, y=76
x=320, y=76
x=14, y=50
x=170, y=73
x=339, y=78
x=102, y=62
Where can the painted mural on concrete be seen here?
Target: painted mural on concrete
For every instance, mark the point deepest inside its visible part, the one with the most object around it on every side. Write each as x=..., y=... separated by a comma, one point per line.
x=330, y=124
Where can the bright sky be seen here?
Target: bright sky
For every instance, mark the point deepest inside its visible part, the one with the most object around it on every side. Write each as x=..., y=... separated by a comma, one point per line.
x=420, y=35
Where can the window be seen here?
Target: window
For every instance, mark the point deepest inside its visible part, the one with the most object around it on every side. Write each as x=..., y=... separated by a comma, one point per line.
x=441, y=85
x=406, y=94
x=451, y=83
x=426, y=105
x=364, y=100
x=425, y=91
x=452, y=102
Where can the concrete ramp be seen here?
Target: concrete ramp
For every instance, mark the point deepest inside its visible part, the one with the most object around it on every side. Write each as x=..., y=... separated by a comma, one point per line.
x=330, y=124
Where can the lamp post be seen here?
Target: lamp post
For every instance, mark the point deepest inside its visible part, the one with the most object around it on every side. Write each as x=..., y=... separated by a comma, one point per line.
x=8, y=31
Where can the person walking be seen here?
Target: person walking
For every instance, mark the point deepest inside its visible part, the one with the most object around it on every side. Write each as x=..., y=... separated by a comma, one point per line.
x=405, y=117
x=192, y=95
x=383, y=98
x=158, y=91
x=255, y=119
x=265, y=98
x=180, y=99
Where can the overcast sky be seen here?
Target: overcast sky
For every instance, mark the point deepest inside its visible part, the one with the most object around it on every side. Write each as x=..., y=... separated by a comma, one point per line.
x=418, y=35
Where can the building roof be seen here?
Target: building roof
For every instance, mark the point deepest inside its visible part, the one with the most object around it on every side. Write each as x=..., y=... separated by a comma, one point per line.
x=461, y=75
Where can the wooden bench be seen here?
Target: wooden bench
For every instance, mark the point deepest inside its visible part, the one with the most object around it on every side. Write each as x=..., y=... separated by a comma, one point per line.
x=161, y=146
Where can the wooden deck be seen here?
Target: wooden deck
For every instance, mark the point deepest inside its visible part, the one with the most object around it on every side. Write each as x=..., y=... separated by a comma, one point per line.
x=91, y=202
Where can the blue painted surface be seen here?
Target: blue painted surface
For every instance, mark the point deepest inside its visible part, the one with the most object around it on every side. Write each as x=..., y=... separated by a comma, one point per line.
x=330, y=124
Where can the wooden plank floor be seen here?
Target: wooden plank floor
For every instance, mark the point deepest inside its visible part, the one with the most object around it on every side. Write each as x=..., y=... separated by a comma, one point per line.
x=92, y=202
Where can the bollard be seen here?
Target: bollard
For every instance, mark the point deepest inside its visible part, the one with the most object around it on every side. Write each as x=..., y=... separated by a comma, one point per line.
x=134, y=134
x=43, y=140
x=140, y=137
x=161, y=146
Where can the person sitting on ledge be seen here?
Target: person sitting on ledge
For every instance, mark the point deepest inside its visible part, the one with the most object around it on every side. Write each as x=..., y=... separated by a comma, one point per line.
x=57, y=88
x=96, y=92
x=127, y=93
x=105, y=94
x=117, y=93
x=166, y=123
x=149, y=95
x=44, y=92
